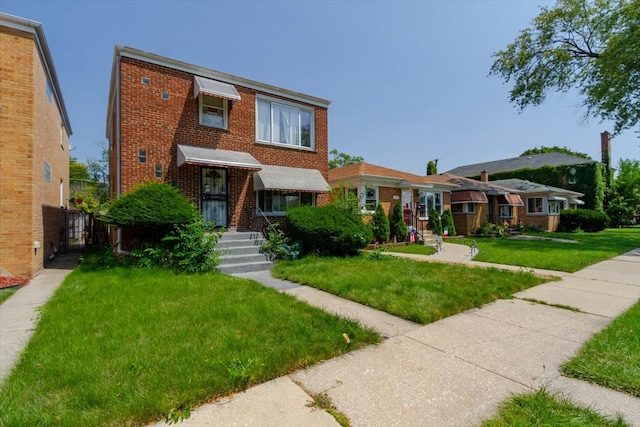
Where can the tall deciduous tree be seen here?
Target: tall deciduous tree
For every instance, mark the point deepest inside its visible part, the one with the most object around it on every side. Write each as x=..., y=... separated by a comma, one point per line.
x=342, y=159
x=624, y=205
x=589, y=45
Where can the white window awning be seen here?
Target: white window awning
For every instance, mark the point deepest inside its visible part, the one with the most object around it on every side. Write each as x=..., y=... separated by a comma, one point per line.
x=214, y=88
x=557, y=198
x=190, y=155
x=291, y=179
x=576, y=202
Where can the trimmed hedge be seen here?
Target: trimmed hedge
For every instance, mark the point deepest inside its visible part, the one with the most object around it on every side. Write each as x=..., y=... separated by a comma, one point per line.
x=397, y=226
x=583, y=219
x=327, y=230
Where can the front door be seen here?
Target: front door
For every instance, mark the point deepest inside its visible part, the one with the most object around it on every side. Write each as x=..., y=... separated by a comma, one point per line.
x=215, y=197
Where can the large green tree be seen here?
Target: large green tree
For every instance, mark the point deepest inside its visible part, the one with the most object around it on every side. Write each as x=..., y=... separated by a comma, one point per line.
x=624, y=205
x=589, y=45
x=341, y=159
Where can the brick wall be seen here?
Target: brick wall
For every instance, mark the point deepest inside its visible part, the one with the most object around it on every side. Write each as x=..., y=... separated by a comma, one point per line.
x=30, y=134
x=158, y=126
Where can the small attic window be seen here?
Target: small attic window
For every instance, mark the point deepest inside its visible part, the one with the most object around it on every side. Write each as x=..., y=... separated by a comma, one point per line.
x=165, y=95
x=146, y=80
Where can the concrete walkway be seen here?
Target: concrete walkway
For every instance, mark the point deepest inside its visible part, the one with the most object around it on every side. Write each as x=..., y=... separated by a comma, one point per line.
x=453, y=372
x=18, y=314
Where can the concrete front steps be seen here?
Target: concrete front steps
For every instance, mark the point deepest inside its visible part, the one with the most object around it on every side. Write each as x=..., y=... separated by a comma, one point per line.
x=240, y=252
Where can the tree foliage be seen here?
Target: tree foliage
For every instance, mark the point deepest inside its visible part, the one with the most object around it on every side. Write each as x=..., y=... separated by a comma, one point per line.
x=341, y=159
x=554, y=149
x=435, y=222
x=624, y=205
x=77, y=170
x=432, y=167
x=589, y=45
x=448, y=223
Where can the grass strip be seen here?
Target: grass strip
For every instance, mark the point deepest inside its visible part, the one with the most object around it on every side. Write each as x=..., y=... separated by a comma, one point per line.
x=6, y=293
x=611, y=358
x=417, y=291
x=542, y=408
x=130, y=346
x=559, y=256
x=411, y=249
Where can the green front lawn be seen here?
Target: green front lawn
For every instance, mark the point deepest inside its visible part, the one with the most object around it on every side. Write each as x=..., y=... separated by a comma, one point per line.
x=611, y=358
x=130, y=346
x=417, y=249
x=418, y=291
x=570, y=257
x=544, y=409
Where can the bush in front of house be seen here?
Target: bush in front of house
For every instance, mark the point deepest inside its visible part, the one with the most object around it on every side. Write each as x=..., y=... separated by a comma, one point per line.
x=397, y=227
x=380, y=225
x=175, y=234
x=327, y=230
x=153, y=207
x=447, y=222
x=435, y=223
x=587, y=220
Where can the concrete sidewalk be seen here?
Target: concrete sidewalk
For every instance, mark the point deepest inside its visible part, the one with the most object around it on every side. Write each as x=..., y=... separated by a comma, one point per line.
x=18, y=314
x=454, y=372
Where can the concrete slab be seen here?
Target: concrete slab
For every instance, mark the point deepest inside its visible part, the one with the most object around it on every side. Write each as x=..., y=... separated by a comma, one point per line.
x=265, y=277
x=279, y=402
x=19, y=314
x=588, y=302
x=405, y=383
x=384, y=323
x=603, y=400
x=464, y=330
x=618, y=271
x=599, y=287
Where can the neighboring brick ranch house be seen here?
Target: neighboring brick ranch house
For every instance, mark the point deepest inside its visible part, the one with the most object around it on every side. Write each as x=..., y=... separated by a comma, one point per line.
x=474, y=203
x=374, y=185
x=236, y=147
x=561, y=170
x=542, y=203
x=34, y=136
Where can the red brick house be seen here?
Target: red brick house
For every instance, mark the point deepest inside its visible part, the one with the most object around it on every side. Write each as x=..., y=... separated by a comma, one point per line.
x=34, y=136
x=236, y=147
x=376, y=185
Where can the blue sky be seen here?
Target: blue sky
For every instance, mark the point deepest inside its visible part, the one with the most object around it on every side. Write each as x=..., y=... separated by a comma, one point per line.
x=408, y=81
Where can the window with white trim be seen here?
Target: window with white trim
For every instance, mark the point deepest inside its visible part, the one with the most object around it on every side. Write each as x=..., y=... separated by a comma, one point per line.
x=427, y=201
x=370, y=198
x=278, y=201
x=555, y=206
x=213, y=111
x=280, y=123
x=506, y=211
x=534, y=205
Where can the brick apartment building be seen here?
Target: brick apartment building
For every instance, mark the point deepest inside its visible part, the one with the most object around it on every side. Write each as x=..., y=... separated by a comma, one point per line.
x=237, y=148
x=34, y=141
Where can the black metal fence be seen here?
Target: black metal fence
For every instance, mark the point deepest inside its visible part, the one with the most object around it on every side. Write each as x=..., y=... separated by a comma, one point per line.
x=80, y=230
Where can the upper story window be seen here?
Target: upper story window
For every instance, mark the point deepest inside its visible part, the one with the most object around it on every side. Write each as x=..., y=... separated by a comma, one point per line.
x=213, y=111
x=534, y=205
x=47, y=172
x=49, y=92
x=287, y=124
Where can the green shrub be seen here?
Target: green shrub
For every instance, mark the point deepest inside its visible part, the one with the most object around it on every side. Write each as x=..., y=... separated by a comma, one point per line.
x=490, y=230
x=435, y=223
x=155, y=207
x=447, y=222
x=380, y=225
x=189, y=248
x=327, y=230
x=278, y=246
x=585, y=219
x=397, y=227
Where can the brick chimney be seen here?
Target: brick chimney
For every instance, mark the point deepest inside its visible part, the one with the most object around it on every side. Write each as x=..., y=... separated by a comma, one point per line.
x=605, y=145
x=484, y=176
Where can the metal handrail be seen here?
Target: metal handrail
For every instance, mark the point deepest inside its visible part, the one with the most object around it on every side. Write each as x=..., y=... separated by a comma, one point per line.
x=271, y=226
